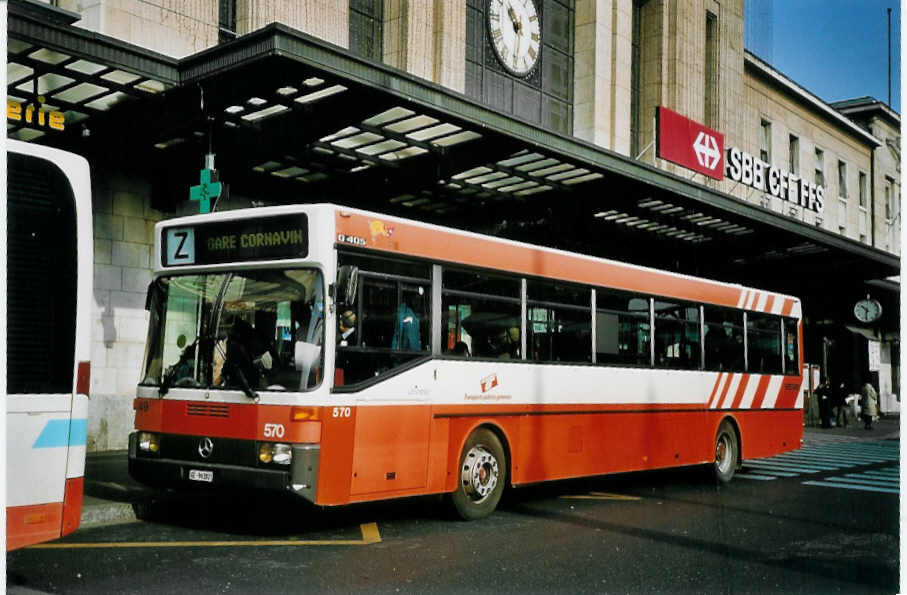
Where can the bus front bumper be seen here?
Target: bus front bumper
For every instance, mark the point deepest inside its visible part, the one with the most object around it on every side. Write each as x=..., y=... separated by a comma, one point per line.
x=300, y=478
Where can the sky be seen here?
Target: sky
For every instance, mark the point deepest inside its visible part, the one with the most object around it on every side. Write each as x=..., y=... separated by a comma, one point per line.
x=836, y=49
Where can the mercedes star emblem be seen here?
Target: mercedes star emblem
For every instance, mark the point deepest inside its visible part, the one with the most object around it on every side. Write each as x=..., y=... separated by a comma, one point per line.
x=205, y=447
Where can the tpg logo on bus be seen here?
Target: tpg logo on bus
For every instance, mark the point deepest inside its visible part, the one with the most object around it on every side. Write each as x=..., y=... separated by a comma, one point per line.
x=489, y=382
x=765, y=177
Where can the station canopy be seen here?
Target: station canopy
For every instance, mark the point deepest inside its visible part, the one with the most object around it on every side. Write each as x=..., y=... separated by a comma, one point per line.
x=293, y=119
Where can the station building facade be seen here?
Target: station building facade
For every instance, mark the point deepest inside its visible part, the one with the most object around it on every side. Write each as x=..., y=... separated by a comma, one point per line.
x=597, y=72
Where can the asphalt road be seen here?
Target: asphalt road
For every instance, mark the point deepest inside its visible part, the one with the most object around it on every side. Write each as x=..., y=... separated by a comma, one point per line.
x=822, y=520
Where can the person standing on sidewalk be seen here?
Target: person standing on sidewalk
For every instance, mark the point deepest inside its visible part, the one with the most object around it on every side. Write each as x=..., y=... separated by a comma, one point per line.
x=839, y=396
x=868, y=404
x=823, y=393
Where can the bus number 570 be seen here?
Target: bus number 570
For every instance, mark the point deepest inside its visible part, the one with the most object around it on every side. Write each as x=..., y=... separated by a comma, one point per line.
x=274, y=430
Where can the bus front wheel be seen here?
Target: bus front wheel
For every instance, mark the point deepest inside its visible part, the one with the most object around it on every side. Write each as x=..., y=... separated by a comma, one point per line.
x=481, y=476
x=727, y=452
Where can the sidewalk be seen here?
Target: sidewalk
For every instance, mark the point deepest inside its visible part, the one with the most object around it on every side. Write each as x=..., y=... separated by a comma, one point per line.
x=886, y=428
x=110, y=492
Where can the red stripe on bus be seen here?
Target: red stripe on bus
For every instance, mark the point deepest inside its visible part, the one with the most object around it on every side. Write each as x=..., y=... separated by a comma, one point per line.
x=226, y=420
x=760, y=391
x=727, y=385
x=740, y=390
x=72, y=504
x=714, y=390
x=35, y=523
x=789, y=393
x=788, y=307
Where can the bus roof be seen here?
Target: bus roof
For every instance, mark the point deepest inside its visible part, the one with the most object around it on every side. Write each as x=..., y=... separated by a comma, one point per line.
x=385, y=233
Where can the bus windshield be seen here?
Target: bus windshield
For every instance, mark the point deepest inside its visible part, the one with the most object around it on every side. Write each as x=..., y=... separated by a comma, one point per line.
x=249, y=331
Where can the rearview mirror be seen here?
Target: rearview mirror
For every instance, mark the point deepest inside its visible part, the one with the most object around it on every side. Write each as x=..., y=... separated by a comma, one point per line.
x=347, y=283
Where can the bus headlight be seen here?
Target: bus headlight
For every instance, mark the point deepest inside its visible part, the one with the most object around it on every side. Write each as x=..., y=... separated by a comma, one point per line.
x=149, y=442
x=277, y=453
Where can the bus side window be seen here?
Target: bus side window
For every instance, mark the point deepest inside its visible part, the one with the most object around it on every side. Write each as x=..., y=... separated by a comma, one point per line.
x=393, y=315
x=763, y=337
x=791, y=351
x=723, y=339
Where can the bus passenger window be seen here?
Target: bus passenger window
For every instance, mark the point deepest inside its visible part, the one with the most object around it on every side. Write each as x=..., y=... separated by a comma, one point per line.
x=393, y=311
x=482, y=312
x=677, y=335
x=560, y=322
x=791, y=353
x=763, y=338
x=622, y=331
x=724, y=340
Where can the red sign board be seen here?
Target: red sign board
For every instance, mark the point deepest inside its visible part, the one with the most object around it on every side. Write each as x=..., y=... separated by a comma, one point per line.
x=690, y=144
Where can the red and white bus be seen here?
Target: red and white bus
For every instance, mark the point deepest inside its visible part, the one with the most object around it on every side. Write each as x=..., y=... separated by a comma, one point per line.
x=48, y=348
x=348, y=356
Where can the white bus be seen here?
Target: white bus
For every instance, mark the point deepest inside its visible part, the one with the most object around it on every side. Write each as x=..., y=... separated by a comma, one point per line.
x=49, y=292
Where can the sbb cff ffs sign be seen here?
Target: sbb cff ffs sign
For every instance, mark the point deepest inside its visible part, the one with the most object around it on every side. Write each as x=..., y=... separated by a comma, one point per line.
x=690, y=144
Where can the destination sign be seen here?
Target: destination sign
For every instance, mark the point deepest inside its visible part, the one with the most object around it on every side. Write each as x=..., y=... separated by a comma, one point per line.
x=270, y=238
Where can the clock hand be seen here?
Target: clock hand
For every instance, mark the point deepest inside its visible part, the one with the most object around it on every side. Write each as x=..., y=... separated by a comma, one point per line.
x=513, y=19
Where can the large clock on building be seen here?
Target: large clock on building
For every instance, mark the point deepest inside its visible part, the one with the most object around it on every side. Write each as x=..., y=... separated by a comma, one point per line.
x=516, y=34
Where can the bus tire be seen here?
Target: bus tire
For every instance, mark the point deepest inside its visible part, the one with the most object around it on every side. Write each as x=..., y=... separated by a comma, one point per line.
x=481, y=476
x=727, y=453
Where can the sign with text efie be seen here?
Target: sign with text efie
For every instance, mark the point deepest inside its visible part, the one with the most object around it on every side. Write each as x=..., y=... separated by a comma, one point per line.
x=243, y=240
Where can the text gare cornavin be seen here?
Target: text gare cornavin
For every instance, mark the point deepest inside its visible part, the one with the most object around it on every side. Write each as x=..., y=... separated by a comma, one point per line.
x=765, y=177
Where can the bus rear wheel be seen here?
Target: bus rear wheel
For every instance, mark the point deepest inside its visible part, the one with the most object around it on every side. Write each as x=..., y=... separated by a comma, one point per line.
x=481, y=476
x=727, y=453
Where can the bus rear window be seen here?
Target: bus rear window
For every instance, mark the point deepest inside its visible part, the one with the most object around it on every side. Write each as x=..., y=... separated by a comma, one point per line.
x=41, y=277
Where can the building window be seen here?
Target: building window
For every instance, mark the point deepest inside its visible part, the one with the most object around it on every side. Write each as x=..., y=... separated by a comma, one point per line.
x=820, y=167
x=765, y=141
x=889, y=195
x=793, y=154
x=842, y=180
x=862, y=179
x=711, y=70
x=367, y=29
x=226, y=21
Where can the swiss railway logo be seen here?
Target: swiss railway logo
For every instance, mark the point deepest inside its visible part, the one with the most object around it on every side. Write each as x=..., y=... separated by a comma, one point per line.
x=690, y=144
x=489, y=382
x=706, y=149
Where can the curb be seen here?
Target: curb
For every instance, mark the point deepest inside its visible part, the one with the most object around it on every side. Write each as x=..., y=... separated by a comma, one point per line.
x=105, y=513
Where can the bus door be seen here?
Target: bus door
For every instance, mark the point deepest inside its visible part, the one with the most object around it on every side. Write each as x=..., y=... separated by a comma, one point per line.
x=393, y=414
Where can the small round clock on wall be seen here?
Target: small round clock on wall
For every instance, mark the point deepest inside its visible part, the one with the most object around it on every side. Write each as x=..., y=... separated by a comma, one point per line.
x=867, y=310
x=516, y=34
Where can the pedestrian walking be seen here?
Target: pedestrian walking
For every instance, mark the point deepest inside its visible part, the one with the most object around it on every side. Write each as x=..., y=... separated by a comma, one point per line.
x=868, y=404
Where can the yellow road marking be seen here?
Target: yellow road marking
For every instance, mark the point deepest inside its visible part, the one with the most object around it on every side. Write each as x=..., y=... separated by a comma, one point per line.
x=602, y=496
x=369, y=535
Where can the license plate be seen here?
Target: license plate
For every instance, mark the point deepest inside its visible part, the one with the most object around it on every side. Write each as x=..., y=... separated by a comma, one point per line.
x=197, y=475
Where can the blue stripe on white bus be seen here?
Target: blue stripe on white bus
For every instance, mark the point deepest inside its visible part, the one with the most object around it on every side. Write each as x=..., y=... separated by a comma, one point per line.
x=59, y=432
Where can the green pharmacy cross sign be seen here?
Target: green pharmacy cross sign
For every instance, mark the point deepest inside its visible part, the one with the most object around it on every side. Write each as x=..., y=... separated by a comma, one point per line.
x=206, y=191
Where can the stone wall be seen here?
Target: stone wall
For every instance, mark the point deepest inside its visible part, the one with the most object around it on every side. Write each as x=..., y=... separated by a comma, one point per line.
x=176, y=28
x=763, y=101
x=123, y=230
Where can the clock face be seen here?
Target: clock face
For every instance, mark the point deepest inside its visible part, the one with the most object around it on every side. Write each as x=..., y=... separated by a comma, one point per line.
x=515, y=34
x=867, y=310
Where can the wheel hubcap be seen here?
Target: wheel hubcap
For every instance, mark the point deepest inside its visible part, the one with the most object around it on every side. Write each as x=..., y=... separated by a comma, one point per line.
x=723, y=453
x=479, y=473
